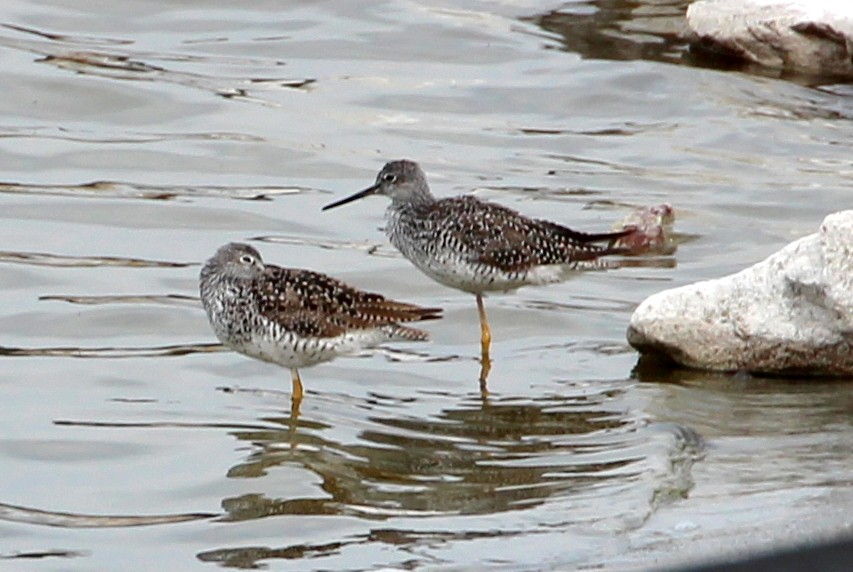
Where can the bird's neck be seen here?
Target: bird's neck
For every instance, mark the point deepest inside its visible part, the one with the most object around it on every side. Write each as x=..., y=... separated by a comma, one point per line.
x=419, y=199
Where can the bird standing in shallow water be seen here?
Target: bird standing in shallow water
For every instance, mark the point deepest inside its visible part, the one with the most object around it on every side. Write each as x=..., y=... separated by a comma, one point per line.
x=297, y=318
x=477, y=246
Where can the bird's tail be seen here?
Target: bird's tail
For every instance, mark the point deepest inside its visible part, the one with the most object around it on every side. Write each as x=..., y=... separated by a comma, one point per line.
x=393, y=311
x=590, y=237
x=594, y=251
x=611, y=237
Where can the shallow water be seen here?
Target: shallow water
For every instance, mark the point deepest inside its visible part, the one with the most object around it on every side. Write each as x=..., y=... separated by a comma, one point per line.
x=132, y=147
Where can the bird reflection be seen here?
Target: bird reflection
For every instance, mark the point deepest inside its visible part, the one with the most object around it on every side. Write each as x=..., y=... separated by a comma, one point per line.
x=463, y=462
x=482, y=456
x=485, y=368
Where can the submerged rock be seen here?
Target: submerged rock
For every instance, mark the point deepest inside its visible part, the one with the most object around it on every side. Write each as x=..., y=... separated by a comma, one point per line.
x=652, y=228
x=791, y=314
x=814, y=36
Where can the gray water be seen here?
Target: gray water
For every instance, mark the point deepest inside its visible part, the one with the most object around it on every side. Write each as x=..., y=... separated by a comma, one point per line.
x=137, y=137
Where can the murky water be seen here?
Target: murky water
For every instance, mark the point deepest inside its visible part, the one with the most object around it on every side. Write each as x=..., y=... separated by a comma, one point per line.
x=137, y=137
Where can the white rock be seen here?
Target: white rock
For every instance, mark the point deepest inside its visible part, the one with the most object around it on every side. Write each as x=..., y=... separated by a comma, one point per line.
x=808, y=35
x=791, y=314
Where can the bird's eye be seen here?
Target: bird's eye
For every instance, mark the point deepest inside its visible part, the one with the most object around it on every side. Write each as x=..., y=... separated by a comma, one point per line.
x=389, y=177
x=246, y=259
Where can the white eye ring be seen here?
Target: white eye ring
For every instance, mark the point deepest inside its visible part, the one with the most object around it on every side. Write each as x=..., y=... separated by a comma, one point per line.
x=246, y=259
x=389, y=177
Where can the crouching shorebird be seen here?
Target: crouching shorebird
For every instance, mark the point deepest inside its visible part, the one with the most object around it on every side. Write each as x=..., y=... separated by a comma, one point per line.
x=297, y=318
x=477, y=246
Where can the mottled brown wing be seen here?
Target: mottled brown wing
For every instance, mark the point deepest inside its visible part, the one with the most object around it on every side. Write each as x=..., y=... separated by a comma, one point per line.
x=501, y=237
x=543, y=245
x=328, y=307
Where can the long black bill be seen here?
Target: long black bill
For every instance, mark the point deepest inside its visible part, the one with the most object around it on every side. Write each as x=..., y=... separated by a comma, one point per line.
x=359, y=195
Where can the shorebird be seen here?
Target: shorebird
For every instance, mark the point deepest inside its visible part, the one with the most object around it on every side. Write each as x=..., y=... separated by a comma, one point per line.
x=478, y=246
x=297, y=318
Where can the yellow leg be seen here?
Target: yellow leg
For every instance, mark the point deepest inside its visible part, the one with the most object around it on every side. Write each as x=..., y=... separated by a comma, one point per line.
x=296, y=394
x=485, y=345
x=485, y=332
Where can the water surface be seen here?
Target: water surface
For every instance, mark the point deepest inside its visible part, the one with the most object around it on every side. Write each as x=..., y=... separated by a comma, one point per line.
x=132, y=147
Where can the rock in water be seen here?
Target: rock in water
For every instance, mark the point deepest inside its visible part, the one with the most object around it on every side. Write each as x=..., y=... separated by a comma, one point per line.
x=652, y=230
x=791, y=314
x=814, y=36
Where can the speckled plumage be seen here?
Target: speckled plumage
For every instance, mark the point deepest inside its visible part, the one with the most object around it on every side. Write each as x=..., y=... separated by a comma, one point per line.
x=477, y=246
x=293, y=317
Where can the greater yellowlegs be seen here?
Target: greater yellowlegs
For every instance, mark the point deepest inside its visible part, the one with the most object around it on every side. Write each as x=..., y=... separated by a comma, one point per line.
x=478, y=246
x=297, y=318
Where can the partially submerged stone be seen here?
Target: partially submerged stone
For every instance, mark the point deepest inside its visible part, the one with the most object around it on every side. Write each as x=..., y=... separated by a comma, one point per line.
x=652, y=228
x=791, y=314
x=814, y=36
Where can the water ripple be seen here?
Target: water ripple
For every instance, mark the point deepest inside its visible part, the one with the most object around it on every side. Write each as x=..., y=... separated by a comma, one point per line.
x=371, y=248
x=111, y=352
x=63, y=261
x=72, y=53
x=124, y=190
x=45, y=554
x=29, y=515
x=159, y=299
